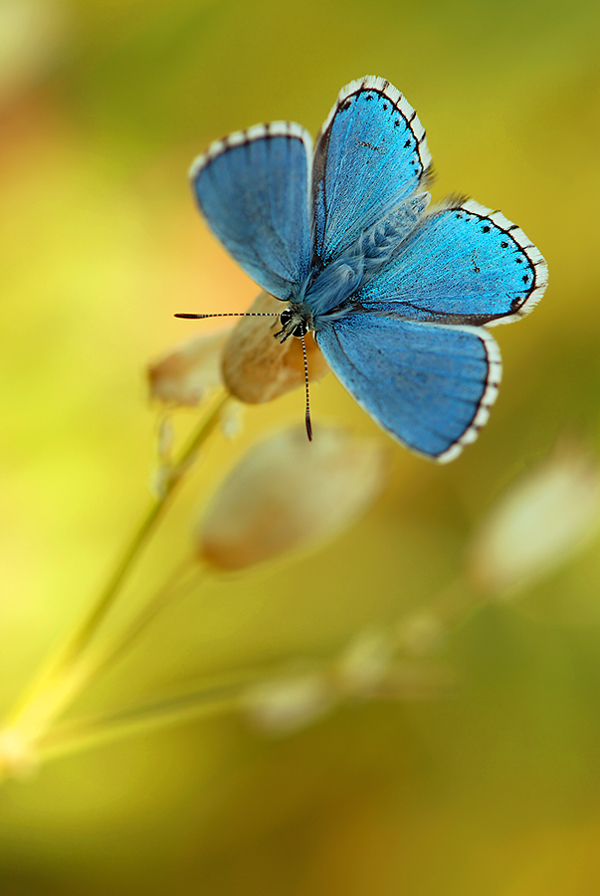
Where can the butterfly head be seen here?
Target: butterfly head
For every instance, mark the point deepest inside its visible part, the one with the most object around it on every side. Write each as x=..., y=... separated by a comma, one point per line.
x=296, y=320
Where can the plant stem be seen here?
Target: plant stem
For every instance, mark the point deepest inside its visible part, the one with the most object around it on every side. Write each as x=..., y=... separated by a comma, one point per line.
x=173, y=590
x=61, y=679
x=220, y=697
x=83, y=634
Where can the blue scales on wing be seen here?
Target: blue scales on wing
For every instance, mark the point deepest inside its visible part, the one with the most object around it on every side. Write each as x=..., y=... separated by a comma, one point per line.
x=371, y=154
x=252, y=189
x=462, y=264
x=362, y=261
x=430, y=386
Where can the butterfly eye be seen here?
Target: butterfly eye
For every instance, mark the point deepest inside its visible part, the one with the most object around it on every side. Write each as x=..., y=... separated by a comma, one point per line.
x=301, y=328
x=285, y=317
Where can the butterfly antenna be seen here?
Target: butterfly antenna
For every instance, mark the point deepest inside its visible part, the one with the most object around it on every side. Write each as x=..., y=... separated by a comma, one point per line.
x=230, y=314
x=307, y=412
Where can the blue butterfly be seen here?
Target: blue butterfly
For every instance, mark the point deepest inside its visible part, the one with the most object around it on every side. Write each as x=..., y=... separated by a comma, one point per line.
x=395, y=294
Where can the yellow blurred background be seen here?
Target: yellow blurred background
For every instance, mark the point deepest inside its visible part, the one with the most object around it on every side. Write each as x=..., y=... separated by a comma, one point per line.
x=493, y=790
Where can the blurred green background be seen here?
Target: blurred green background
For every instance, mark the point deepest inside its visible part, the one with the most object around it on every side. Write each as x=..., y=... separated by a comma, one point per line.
x=492, y=792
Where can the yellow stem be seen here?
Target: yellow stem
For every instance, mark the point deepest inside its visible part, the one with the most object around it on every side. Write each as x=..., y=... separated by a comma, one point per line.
x=174, y=589
x=221, y=696
x=65, y=674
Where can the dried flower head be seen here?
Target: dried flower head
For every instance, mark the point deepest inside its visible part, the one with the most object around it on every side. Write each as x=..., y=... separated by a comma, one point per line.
x=364, y=663
x=538, y=523
x=287, y=492
x=258, y=368
x=285, y=705
x=187, y=374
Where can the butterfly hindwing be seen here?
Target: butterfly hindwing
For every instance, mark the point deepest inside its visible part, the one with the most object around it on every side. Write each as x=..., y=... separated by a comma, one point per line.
x=252, y=188
x=430, y=386
x=370, y=155
x=462, y=264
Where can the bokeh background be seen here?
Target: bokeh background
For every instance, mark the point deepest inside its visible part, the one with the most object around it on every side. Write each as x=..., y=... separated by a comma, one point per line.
x=492, y=791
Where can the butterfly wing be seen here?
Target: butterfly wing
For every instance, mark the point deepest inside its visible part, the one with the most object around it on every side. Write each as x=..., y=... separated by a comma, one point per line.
x=430, y=386
x=461, y=264
x=371, y=154
x=253, y=189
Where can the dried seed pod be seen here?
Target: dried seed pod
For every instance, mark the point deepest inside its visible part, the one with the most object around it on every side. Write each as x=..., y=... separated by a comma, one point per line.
x=186, y=374
x=287, y=492
x=258, y=368
x=538, y=523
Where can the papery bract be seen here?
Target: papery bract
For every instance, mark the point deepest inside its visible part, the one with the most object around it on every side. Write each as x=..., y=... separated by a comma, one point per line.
x=537, y=523
x=287, y=492
x=186, y=374
x=258, y=368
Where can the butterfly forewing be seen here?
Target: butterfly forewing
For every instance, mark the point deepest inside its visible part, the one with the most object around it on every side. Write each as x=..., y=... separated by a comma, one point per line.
x=370, y=155
x=252, y=188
